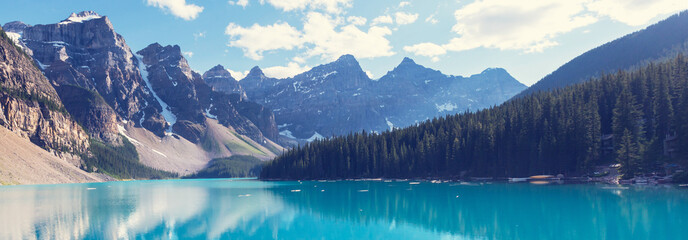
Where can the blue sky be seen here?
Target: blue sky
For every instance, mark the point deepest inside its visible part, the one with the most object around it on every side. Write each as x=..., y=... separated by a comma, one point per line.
x=528, y=38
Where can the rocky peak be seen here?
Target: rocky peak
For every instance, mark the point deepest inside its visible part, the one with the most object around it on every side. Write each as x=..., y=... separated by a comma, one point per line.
x=81, y=17
x=15, y=27
x=255, y=73
x=218, y=72
x=222, y=81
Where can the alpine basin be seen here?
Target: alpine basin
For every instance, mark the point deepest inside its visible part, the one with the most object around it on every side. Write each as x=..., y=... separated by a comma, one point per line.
x=250, y=209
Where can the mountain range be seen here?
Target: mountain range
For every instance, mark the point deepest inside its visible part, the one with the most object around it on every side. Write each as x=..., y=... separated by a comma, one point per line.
x=77, y=90
x=338, y=98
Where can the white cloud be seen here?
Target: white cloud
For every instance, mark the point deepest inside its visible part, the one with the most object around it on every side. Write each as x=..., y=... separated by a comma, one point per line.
x=426, y=49
x=238, y=75
x=321, y=36
x=242, y=3
x=370, y=74
x=178, y=8
x=320, y=31
x=199, y=35
x=403, y=18
x=431, y=19
x=404, y=4
x=330, y=6
x=636, y=12
x=516, y=25
x=257, y=39
x=385, y=19
x=188, y=54
x=355, y=20
x=292, y=69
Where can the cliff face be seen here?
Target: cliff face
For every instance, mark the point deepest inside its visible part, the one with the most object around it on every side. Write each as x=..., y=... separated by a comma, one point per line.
x=85, y=51
x=30, y=106
x=191, y=99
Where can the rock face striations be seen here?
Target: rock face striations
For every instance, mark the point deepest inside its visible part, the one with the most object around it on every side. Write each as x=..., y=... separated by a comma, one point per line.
x=191, y=99
x=338, y=98
x=85, y=51
x=30, y=106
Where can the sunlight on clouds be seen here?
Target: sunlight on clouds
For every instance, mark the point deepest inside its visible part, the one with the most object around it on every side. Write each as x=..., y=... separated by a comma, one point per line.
x=385, y=19
x=356, y=20
x=427, y=49
x=431, y=19
x=242, y=3
x=515, y=25
x=188, y=54
x=636, y=12
x=330, y=6
x=178, y=8
x=319, y=30
x=405, y=18
x=321, y=36
x=292, y=69
x=257, y=39
x=238, y=75
x=404, y=4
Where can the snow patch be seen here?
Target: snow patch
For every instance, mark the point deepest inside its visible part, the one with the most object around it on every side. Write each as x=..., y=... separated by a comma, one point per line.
x=166, y=113
x=123, y=131
x=208, y=114
x=74, y=18
x=356, y=94
x=315, y=136
x=446, y=107
x=16, y=38
x=159, y=153
x=287, y=133
x=389, y=124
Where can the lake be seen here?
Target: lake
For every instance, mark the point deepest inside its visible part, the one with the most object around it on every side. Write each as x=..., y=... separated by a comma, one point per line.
x=251, y=209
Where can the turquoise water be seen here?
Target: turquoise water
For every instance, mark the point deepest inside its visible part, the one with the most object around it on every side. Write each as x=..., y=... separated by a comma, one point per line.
x=249, y=209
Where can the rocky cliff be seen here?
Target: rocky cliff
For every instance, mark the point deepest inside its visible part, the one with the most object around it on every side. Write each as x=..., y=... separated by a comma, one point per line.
x=30, y=106
x=85, y=51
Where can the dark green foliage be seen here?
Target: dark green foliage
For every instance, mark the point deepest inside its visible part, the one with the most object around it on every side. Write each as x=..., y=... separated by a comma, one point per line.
x=544, y=133
x=39, y=98
x=121, y=162
x=231, y=167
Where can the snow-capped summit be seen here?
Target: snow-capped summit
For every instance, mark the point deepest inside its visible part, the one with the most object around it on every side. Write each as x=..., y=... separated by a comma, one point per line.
x=81, y=17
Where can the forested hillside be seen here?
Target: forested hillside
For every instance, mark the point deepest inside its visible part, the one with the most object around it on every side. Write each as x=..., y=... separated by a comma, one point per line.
x=560, y=131
x=658, y=42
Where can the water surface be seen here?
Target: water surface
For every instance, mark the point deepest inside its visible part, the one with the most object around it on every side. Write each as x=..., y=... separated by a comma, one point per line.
x=250, y=209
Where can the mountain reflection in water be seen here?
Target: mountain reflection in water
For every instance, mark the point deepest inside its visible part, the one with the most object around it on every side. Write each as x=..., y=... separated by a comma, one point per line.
x=249, y=209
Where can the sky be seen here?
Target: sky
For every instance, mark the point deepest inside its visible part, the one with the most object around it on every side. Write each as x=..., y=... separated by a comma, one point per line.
x=528, y=38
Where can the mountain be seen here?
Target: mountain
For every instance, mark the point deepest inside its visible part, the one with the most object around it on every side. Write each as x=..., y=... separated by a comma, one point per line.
x=635, y=118
x=85, y=51
x=222, y=81
x=338, y=98
x=143, y=115
x=659, y=41
x=37, y=134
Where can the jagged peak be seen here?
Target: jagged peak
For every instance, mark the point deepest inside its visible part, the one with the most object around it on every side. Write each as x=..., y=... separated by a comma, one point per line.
x=15, y=26
x=255, y=72
x=218, y=71
x=407, y=60
x=347, y=58
x=81, y=17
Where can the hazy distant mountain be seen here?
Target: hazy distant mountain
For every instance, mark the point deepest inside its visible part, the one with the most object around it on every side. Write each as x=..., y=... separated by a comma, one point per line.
x=338, y=97
x=659, y=41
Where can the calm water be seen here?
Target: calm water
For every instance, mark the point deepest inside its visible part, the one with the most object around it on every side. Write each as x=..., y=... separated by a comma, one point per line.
x=248, y=209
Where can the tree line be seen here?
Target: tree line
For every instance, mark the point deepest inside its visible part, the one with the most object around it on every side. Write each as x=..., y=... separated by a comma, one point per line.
x=627, y=117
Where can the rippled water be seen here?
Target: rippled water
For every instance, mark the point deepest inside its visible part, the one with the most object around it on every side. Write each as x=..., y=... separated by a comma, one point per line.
x=249, y=209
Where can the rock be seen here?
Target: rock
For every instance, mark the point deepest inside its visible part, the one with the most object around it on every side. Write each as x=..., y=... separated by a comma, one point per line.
x=338, y=98
x=84, y=50
x=222, y=81
x=30, y=105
